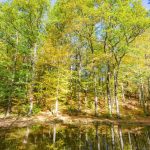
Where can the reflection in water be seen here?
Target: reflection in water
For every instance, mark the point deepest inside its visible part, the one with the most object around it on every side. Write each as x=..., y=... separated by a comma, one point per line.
x=54, y=133
x=129, y=140
x=79, y=137
x=25, y=140
x=120, y=137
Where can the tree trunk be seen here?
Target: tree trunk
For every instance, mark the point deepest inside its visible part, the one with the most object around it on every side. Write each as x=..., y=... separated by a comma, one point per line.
x=31, y=105
x=56, y=107
x=123, y=93
x=142, y=96
x=95, y=95
x=79, y=90
x=8, y=107
x=31, y=97
x=108, y=91
x=102, y=86
x=85, y=98
x=116, y=92
x=79, y=101
x=71, y=82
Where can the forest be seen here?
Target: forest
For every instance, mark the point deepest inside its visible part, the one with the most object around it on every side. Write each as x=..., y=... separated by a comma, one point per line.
x=89, y=57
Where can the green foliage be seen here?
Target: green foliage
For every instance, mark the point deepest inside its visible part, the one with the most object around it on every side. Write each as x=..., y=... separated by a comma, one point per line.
x=75, y=53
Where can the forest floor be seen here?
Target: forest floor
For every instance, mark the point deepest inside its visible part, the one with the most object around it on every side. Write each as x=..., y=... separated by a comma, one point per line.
x=47, y=118
x=131, y=113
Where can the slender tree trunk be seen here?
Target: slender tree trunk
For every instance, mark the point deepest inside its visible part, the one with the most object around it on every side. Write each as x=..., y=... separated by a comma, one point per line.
x=8, y=106
x=79, y=90
x=54, y=134
x=56, y=107
x=116, y=92
x=79, y=101
x=31, y=97
x=102, y=86
x=85, y=98
x=86, y=88
x=96, y=106
x=142, y=96
x=76, y=79
x=108, y=91
x=123, y=93
x=71, y=82
x=95, y=93
x=31, y=103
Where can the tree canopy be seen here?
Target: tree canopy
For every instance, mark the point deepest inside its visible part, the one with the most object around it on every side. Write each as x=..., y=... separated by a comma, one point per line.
x=74, y=56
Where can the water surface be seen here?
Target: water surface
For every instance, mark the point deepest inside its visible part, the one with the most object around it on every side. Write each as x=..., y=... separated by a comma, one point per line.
x=76, y=137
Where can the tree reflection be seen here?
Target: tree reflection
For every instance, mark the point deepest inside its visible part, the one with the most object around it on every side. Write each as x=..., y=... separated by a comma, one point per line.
x=76, y=137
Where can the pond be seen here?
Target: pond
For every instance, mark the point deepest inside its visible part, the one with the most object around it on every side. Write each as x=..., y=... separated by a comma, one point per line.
x=76, y=137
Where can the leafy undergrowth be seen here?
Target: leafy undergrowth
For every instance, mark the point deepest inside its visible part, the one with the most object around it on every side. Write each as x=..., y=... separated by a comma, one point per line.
x=130, y=109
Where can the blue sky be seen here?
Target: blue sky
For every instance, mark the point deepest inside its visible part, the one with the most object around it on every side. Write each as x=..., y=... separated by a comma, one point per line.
x=145, y=3
x=53, y=1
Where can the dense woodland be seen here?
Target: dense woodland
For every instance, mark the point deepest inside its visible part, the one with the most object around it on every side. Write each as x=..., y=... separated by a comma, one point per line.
x=74, y=55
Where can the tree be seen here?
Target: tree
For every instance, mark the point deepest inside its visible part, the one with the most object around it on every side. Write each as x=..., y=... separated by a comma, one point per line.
x=22, y=26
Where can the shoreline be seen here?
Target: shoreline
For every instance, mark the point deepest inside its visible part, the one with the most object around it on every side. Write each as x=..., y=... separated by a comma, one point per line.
x=40, y=119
